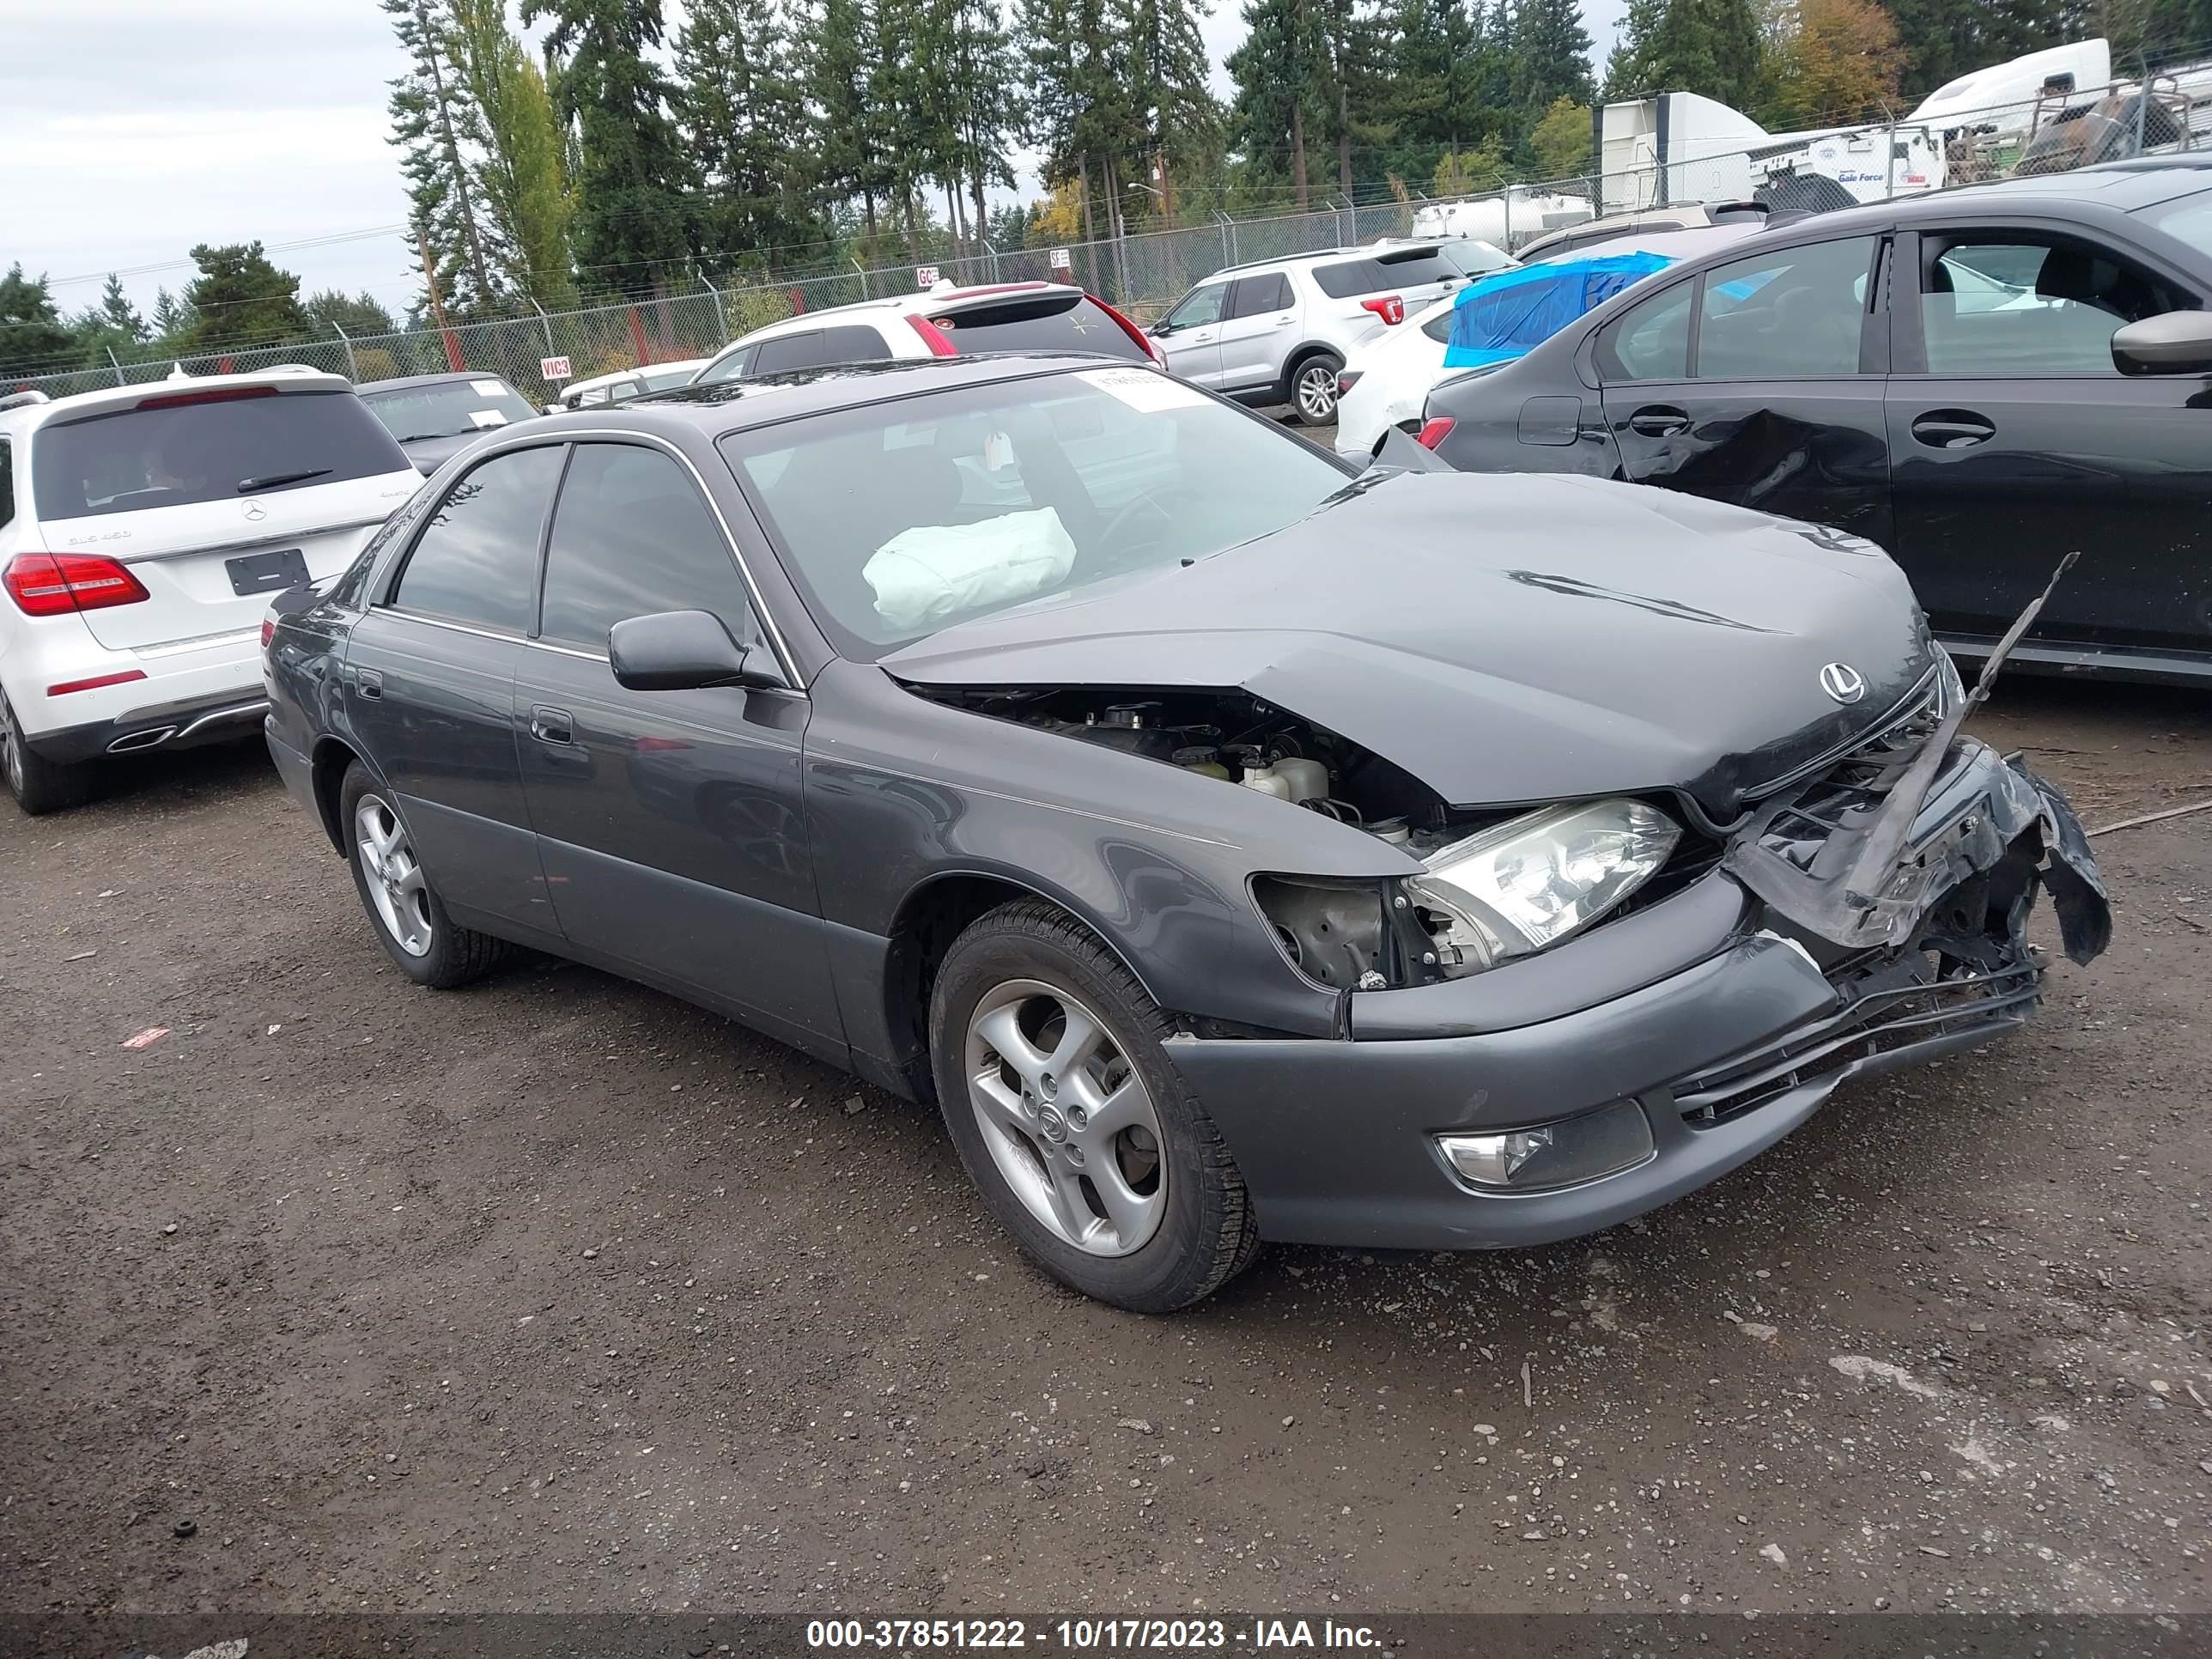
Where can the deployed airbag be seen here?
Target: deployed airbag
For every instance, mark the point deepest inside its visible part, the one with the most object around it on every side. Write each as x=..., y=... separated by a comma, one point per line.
x=928, y=574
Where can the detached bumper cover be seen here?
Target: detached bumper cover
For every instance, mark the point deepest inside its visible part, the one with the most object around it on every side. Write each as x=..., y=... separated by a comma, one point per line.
x=1725, y=1055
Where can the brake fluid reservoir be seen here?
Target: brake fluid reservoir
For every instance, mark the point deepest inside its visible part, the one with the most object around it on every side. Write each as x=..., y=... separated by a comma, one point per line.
x=1268, y=780
x=1203, y=758
x=1308, y=778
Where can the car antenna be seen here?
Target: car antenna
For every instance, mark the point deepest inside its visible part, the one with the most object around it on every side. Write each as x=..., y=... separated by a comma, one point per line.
x=1884, y=836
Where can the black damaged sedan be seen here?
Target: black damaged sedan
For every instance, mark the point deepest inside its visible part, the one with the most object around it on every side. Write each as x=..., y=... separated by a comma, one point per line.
x=1233, y=847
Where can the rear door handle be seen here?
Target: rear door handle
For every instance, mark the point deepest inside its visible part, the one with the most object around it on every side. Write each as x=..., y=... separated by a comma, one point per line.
x=369, y=683
x=552, y=725
x=1659, y=421
x=1953, y=429
x=1285, y=321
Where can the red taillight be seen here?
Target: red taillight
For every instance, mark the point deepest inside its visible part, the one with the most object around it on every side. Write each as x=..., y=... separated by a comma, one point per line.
x=1390, y=308
x=55, y=584
x=938, y=342
x=96, y=682
x=268, y=632
x=218, y=394
x=1144, y=341
x=1434, y=432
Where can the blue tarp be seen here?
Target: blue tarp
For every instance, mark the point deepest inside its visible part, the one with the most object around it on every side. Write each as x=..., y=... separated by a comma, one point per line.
x=1511, y=313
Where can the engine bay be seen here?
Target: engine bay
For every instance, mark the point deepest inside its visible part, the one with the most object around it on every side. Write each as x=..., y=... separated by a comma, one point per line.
x=1236, y=738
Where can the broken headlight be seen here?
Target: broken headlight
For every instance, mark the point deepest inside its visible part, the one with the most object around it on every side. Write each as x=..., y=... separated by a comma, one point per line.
x=1521, y=885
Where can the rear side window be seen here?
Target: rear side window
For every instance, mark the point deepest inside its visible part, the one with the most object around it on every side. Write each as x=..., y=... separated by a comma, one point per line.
x=176, y=448
x=7, y=482
x=477, y=561
x=789, y=352
x=1067, y=319
x=1797, y=313
x=1651, y=341
x=631, y=537
x=1257, y=296
x=1347, y=277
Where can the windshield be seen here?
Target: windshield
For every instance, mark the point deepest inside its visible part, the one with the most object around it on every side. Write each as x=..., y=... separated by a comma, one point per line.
x=898, y=518
x=175, y=448
x=1475, y=258
x=447, y=409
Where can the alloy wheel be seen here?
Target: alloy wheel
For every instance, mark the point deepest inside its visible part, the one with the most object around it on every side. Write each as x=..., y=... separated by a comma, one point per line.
x=394, y=876
x=11, y=747
x=1069, y=1123
x=1316, y=393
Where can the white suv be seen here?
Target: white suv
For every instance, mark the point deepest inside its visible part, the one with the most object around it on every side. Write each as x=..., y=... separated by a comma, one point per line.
x=942, y=321
x=1277, y=332
x=143, y=532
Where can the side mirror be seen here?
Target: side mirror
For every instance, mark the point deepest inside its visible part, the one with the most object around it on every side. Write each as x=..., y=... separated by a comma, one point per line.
x=682, y=651
x=1161, y=330
x=2176, y=342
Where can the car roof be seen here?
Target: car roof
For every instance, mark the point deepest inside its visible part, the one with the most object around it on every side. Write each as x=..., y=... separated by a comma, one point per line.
x=1688, y=242
x=920, y=300
x=1367, y=250
x=728, y=406
x=289, y=377
x=408, y=382
x=2120, y=186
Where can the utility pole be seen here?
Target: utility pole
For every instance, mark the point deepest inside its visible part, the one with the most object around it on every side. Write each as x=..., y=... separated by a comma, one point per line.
x=438, y=302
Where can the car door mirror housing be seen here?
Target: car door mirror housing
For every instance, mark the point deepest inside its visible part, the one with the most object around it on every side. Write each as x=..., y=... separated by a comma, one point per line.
x=684, y=651
x=2175, y=343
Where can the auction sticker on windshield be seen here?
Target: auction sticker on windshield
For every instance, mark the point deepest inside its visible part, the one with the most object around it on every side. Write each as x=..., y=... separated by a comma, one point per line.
x=1145, y=389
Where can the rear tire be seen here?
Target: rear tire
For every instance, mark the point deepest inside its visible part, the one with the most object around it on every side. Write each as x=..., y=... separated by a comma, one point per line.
x=1313, y=388
x=409, y=919
x=1080, y=1136
x=40, y=786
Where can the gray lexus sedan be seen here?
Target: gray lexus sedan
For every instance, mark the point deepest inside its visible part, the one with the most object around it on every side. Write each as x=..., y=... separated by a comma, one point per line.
x=1232, y=844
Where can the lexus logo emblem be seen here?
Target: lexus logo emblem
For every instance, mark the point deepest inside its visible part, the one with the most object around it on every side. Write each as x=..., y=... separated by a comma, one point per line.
x=1843, y=681
x=255, y=511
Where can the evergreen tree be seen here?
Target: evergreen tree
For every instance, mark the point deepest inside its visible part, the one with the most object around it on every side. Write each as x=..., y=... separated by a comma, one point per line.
x=241, y=300
x=432, y=121
x=34, y=338
x=172, y=318
x=633, y=223
x=1079, y=112
x=984, y=82
x=1706, y=47
x=1280, y=89
x=360, y=315
x=745, y=125
x=118, y=314
x=519, y=174
x=1943, y=39
x=1550, y=52
x=1175, y=111
x=838, y=73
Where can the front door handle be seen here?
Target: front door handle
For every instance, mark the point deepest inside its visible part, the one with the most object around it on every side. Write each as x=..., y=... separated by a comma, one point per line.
x=1953, y=429
x=369, y=683
x=1659, y=421
x=552, y=725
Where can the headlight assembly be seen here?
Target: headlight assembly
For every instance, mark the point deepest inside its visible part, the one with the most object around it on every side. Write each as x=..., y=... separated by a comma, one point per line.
x=1521, y=885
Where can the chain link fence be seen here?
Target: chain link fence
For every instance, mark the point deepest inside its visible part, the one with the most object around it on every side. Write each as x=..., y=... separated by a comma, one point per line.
x=1145, y=273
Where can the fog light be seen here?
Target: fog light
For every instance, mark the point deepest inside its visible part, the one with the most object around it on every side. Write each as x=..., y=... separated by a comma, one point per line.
x=1575, y=1149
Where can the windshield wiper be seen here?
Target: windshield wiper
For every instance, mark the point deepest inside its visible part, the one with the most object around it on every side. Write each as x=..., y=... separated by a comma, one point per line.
x=248, y=486
x=426, y=437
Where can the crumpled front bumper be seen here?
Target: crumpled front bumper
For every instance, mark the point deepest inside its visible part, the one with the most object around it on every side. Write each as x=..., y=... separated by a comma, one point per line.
x=1725, y=1044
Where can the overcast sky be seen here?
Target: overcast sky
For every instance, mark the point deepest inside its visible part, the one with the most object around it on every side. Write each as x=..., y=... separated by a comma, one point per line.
x=135, y=128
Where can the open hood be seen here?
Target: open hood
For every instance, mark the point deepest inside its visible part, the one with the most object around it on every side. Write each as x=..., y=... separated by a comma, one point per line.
x=1504, y=638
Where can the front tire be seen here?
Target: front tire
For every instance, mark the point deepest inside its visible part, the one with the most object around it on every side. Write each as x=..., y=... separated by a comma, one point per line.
x=409, y=919
x=1313, y=388
x=1082, y=1139
x=40, y=786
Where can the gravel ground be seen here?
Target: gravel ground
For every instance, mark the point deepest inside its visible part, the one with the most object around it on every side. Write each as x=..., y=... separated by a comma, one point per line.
x=557, y=1294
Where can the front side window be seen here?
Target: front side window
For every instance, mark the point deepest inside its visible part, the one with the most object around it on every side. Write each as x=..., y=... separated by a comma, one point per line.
x=1200, y=306
x=897, y=520
x=1797, y=313
x=631, y=537
x=476, y=560
x=178, y=448
x=1651, y=341
x=1995, y=304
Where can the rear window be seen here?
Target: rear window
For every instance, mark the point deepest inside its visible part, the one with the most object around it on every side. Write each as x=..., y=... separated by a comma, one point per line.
x=180, y=452
x=1350, y=277
x=1069, y=321
x=447, y=408
x=1413, y=266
